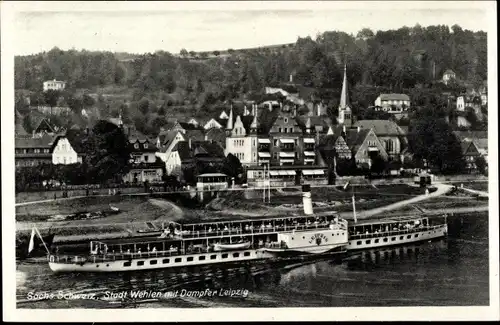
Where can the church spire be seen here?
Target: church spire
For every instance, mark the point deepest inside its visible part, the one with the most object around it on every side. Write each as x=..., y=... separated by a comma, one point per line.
x=344, y=97
x=229, y=125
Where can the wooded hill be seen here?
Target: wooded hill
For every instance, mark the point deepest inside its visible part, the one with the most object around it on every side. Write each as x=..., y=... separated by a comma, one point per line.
x=149, y=85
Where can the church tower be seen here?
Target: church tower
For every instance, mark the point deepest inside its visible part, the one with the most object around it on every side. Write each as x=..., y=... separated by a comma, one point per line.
x=345, y=113
x=229, y=125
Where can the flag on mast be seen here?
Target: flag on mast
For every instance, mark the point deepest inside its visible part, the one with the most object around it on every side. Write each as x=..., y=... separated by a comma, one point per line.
x=354, y=209
x=31, y=245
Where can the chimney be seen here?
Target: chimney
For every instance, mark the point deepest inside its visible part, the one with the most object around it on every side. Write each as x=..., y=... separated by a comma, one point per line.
x=306, y=199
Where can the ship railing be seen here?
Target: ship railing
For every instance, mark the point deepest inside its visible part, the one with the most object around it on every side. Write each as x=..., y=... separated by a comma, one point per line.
x=393, y=232
x=341, y=225
x=122, y=256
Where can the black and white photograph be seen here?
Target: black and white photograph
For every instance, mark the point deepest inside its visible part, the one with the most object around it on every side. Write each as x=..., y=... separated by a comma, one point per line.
x=226, y=160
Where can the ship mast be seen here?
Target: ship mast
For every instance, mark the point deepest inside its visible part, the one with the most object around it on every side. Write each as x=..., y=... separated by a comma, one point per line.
x=354, y=206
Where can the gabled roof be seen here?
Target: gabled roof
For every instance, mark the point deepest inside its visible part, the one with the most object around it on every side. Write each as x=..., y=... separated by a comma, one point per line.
x=381, y=127
x=394, y=97
x=217, y=135
x=195, y=134
x=74, y=140
x=199, y=149
x=166, y=137
x=469, y=148
x=471, y=135
x=355, y=139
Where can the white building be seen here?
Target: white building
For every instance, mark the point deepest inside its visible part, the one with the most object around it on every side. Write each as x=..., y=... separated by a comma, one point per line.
x=173, y=163
x=448, y=75
x=393, y=103
x=54, y=85
x=239, y=143
x=64, y=153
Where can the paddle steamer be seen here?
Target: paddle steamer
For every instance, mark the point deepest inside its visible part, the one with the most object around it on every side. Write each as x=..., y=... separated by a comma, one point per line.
x=182, y=245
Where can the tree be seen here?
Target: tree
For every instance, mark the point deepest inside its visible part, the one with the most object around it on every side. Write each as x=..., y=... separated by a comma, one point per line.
x=107, y=152
x=432, y=139
x=481, y=164
x=51, y=97
x=216, y=53
x=144, y=106
x=232, y=166
x=184, y=53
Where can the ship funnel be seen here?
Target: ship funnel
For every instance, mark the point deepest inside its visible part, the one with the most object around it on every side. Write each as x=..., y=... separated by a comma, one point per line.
x=306, y=199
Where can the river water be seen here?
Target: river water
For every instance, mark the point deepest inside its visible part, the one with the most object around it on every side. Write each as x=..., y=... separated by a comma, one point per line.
x=447, y=272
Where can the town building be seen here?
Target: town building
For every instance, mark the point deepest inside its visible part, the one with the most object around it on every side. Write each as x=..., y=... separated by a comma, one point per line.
x=393, y=137
x=392, y=103
x=470, y=153
x=187, y=157
x=479, y=138
x=144, y=165
x=33, y=151
x=54, y=85
x=448, y=75
x=66, y=151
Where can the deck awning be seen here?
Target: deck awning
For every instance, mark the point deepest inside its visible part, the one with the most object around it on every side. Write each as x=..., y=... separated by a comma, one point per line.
x=264, y=155
x=308, y=172
x=309, y=160
x=319, y=172
x=313, y=172
x=287, y=154
x=287, y=172
x=274, y=173
x=309, y=140
x=287, y=140
x=287, y=161
x=309, y=153
x=264, y=141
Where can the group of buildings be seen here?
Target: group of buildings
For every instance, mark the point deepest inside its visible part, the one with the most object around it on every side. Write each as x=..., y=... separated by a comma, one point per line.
x=273, y=142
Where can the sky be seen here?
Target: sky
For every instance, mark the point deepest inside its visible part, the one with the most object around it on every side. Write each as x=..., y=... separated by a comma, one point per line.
x=154, y=26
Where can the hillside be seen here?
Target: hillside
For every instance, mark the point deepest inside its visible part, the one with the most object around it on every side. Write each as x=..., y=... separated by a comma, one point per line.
x=149, y=87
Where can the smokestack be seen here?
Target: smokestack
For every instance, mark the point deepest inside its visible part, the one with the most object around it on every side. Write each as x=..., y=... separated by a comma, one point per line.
x=306, y=199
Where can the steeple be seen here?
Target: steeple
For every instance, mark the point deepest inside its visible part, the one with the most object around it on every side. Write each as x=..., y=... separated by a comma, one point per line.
x=229, y=125
x=344, y=97
x=254, y=125
x=345, y=114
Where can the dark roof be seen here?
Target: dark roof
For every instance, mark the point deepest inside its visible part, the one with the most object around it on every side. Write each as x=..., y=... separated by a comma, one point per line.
x=195, y=134
x=74, y=140
x=471, y=135
x=381, y=127
x=20, y=131
x=166, y=137
x=354, y=139
x=468, y=148
x=394, y=97
x=44, y=142
x=199, y=149
x=217, y=135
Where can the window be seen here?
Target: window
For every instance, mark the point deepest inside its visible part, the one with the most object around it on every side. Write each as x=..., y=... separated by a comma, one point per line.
x=201, y=258
x=279, y=130
x=136, y=146
x=127, y=264
x=153, y=262
x=393, y=238
x=140, y=263
x=177, y=260
x=408, y=237
x=213, y=257
x=246, y=254
x=190, y=259
x=368, y=241
x=166, y=261
x=236, y=254
x=385, y=240
x=416, y=235
x=146, y=158
x=376, y=241
x=359, y=242
x=286, y=119
x=145, y=146
x=224, y=255
x=37, y=150
x=401, y=237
